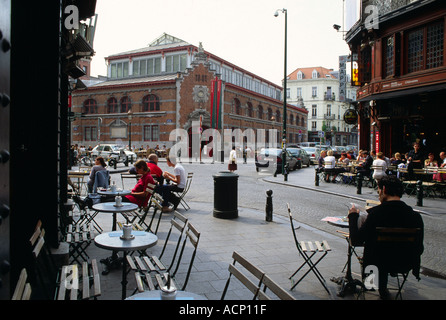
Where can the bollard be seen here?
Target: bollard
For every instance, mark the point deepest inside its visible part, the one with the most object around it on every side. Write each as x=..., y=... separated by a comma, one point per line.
x=419, y=193
x=316, y=177
x=269, y=206
x=359, y=183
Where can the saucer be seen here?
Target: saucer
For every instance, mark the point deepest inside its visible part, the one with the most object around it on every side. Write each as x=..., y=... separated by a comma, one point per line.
x=131, y=237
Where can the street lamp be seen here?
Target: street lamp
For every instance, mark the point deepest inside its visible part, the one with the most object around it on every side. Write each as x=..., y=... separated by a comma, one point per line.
x=285, y=174
x=130, y=115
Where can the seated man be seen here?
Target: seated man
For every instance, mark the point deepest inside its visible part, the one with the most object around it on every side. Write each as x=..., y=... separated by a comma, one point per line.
x=155, y=171
x=364, y=167
x=392, y=212
x=179, y=183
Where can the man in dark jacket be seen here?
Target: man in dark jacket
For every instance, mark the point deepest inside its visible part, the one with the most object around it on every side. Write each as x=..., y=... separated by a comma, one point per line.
x=392, y=212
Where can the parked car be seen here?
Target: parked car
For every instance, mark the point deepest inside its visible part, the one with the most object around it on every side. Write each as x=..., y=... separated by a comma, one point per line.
x=271, y=159
x=313, y=153
x=114, y=153
x=301, y=155
x=307, y=144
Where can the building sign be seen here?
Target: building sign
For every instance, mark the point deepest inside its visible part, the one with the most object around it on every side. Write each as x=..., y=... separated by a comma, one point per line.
x=376, y=141
x=355, y=72
x=342, y=77
x=351, y=116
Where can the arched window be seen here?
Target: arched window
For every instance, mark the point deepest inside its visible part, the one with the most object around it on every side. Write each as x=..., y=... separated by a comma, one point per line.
x=150, y=103
x=250, y=110
x=112, y=105
x=297, y=120
x=238, y=108
x=270, y=114
x=260, y=112
x=278, y=116
x=126, y=104
x=291, y=118
x=90, y=106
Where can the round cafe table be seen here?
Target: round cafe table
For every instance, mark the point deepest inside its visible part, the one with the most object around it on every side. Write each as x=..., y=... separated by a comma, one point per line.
x=118, y=192
x=347, y=283
x=156, y=295
x=140, y=240
x=110, y=207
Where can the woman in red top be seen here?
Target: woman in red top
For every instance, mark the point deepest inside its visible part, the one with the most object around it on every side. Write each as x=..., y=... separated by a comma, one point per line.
x=140, y=195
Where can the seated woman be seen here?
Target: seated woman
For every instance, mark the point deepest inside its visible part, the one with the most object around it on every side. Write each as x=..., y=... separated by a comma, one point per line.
x=430, y=161
x=330, y=166
x=99, y=165
x=380, y=167
x=140, y=195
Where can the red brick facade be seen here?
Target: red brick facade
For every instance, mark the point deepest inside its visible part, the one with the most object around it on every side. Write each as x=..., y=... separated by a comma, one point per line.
x=180, y=103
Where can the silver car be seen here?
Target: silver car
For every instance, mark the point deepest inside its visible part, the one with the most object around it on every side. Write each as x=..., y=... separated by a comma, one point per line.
x=114, y=153
x=303, y=159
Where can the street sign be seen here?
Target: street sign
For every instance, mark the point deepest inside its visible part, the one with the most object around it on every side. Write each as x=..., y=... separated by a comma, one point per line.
x=320, y=134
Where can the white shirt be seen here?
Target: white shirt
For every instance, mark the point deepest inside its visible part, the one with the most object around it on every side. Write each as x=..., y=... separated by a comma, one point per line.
x=179, y=171
x=379, y=172
x=330, y=162
x=232, y=156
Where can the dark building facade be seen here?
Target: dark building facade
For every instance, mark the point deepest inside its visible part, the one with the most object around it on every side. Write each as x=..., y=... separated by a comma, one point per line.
x=401, y=74
x=33, y=128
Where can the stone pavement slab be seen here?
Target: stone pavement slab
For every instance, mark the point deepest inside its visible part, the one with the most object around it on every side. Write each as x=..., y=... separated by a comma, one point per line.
x=268, y=245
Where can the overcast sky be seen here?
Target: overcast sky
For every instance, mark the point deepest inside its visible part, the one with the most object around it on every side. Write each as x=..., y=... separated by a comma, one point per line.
x=243, y=32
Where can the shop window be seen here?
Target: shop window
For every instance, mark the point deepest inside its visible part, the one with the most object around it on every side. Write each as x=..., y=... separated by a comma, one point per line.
x=425, y=47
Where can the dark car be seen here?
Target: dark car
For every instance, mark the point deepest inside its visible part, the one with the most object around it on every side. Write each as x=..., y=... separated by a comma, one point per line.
x=303, y=159
x=271, y=159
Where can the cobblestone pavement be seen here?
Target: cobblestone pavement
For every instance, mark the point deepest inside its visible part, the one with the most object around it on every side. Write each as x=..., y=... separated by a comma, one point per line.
x=269, y=245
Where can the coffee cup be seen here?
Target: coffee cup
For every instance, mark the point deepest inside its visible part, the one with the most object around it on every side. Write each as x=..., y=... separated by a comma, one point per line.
x=168, y=293
x=127, y=231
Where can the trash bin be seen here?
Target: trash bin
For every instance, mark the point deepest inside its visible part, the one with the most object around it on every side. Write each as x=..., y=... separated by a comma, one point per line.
x=225, y=195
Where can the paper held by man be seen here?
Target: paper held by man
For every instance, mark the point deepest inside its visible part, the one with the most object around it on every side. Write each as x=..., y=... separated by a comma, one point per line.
x=340, y=219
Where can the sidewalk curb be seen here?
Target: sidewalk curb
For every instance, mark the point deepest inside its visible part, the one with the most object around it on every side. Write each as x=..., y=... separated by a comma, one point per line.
x=334, y=194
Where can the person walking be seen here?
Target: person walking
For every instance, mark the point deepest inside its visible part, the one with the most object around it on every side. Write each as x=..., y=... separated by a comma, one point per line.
x=232, y=166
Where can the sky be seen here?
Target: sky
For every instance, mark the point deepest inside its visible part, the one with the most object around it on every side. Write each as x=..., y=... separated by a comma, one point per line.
x=243, y=32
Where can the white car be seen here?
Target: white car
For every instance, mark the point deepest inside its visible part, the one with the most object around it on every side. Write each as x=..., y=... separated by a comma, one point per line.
x=114, y=153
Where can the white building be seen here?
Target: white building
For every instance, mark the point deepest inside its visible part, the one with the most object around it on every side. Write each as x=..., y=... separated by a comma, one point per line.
x=317, y=89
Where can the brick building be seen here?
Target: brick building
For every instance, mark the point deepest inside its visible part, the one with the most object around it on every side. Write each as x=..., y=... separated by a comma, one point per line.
x=167, y=86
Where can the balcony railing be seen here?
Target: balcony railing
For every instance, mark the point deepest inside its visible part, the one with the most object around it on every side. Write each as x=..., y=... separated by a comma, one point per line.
x=329, y=117
x=329, y=97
